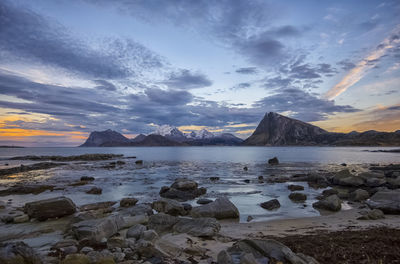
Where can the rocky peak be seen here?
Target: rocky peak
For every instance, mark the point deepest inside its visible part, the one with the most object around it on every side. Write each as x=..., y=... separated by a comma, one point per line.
x=105, y=138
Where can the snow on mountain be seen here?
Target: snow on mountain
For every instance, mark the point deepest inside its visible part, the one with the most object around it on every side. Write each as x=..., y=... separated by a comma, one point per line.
x=201, y=134
x=167, y=130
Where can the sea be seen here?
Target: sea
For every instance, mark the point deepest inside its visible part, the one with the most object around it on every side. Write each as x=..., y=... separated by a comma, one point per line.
x=162, y=165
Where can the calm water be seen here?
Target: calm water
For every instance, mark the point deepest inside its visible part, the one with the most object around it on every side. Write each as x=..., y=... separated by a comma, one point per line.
x=164, y=164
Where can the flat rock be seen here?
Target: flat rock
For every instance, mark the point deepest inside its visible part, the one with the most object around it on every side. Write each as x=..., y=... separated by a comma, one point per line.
x=294, y=187
x=26, y=189
x=297, y=197
x=50, y=208
x=97, y=206
x=128, y=202
x=387, y=201
x=221, y=208
x=136, y=231
x=204, y=201
x=200, y=227
x=162, y=222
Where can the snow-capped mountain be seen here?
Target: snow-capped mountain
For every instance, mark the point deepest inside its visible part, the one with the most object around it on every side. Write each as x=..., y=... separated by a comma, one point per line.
x=201, y=134
x=170, y=132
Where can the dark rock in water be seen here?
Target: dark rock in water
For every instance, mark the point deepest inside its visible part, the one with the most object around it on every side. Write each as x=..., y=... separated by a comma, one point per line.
x=260, y=251
x=387, y=201
x=273, y=161
x=330, y=203
x=294, y=187
x=94, y=190
x=329, y=192
x=128, y=202
x=221, y=208
x=214, y=178
x=139, y=162
x=169, y=206
x=260, y=178
x=50, y=208
x=245, y=168
x=200, y=227
x=297, y=197
x=87, y=178
x=204, y=201
x=182, y=190
x=249, y=218
x=18, y=253
x=344, y=164
x=271, y=204
x=26, y=189
x=247, y=181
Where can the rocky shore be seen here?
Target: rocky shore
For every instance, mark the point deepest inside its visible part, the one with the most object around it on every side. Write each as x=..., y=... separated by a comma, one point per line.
x=181, y=224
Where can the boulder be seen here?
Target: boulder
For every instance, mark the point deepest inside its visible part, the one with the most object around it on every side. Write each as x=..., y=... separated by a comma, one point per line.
x=139, y=162
x=50, y=208
x=273, y=161
x=374, y=214
x=350, y=181
x=359, y=195
x=128, y=202
x=200, y=227
x=224, y=258
x=95, y=190
x=387, y=201
x=330, y=203
x=21, y=219
x=294, y=187
x=97, y=229
x=134, y=220
x=297, y=197
x=169, y=206
x=140, y=209
x=271, y=204
x=136, y=231
x=261, y=249
x=150, y=235
x=184, y=184
x=18, y=253
x=162, y=222
x=221, y=208
x=393, y=183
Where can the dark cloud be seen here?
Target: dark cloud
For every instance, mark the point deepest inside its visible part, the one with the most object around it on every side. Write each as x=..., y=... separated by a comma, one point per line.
x=285, y=31
x=346, y=64
x=240, y=86
x=247, y=70
x=185, y=79
x=26, y=35
x=305, y=106
x=105, y=85
x=278, y=82
x=169, y=98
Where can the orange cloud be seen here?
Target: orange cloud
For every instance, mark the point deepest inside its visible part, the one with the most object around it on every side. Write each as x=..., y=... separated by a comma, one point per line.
x=358, y=72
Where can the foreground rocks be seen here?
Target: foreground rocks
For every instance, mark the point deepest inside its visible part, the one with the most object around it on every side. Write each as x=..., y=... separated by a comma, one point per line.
x=32, y=167
x=84, y=157
x=26, y=189
x=271, y=204
x=18, y=253
x=387, y=201
x=182, y=190
x=330, y=203
x=262, y=251
x=221, y=208
x=50, y=208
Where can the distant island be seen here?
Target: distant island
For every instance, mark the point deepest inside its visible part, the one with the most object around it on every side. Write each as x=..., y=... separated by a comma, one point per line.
x=5, y=146
x=273, y=130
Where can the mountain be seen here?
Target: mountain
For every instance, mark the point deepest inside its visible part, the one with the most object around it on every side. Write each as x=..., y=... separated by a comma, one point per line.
x=170, y=132
x=105, y=139
x=138, y=138
x=201, y=134
x=156, y=140
x=278, y=130
x=224, y=139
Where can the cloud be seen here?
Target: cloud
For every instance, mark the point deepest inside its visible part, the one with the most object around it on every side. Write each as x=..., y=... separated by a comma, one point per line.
x=168, y=98
x=346, y=64
x=247, y=70
x=305, y=106
x=27, y=36
x=358, y=72
x=185, y=79
x=105, y=85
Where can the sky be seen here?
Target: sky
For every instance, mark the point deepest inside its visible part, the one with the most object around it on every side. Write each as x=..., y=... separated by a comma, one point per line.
x=69, y=67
